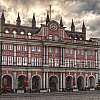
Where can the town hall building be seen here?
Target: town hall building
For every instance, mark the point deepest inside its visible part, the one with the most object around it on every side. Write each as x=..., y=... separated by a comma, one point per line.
x=48, y=57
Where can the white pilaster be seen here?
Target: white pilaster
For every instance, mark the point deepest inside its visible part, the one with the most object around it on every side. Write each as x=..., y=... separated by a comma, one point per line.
x=47, y=80
x=96, y=58
x=44, y=80
x=58, y=84
x=64, y=80
x=61, y=81
x=96, y=78
x=86, y=81
x=75, y=56
x=86, y=57
x=29, y=80
x=46, y=55
x=61, y=56
x=29, y=54
x=14, y=81
x=75, y=80
x=15, y=54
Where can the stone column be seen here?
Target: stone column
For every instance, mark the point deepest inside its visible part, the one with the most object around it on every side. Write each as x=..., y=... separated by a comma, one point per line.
x=44, y=80
x=64, y=80
x=86, y=57
x=44, y=50
x=86, y=81
x=29, y=55
x=75, y=80
x=47, y=80
x=61, y=76
x=62, y=56
x=15, y=62
x=14, y=81
x=96, y=58
x=58, y=84
x=29, y=80
x=46, y=56
x=75, y=56
x=96, y=78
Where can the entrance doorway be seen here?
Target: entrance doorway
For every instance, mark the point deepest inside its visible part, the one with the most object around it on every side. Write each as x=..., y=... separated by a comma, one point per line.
x=91, y=81
x=80, y=83
x=36, y=83
x=68, y=82
x=21, y=80
x=7, y=83
x=53, y=83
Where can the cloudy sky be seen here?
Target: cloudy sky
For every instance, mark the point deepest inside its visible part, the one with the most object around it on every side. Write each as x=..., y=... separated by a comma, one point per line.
x=79, y=10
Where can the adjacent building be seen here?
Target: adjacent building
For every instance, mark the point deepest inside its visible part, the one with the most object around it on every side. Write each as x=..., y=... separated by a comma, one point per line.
x=46, y=57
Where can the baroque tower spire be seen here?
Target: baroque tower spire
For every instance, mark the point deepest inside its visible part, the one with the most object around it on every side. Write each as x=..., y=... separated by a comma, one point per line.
x=18, y=21
x=48, y=18
x=2, y=18
x=61, y=23
x=83, y=28
x=33, y=21
x=72, y=26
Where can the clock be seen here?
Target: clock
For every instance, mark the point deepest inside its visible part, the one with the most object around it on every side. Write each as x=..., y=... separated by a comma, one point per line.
x=53, y=26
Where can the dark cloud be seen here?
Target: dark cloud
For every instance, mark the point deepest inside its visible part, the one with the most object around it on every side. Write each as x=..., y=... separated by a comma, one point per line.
x=79, y=10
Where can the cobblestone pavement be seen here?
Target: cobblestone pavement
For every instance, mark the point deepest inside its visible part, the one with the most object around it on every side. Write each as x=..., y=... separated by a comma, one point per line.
x=93, y=95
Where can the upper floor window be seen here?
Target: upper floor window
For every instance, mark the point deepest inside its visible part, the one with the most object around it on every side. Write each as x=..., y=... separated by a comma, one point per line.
x=14, y=33
x=22, y=32
x=71, y=51
x=67, y=51
x=83, y=63
x=10, y=60
x=93, y=53
x=56, y=62
x=38, y=49
x=51, y=62
x=93, y=64
x=78, y=63
x=88, y=63
x=18, y=47
x=4, y=47
x=56, y=38
x=82, y=52
x=6, y=31
x=10, y=47
x=78, y=52
x=88, y=52
x=29, y=33
x=66, y=63
x=4, y=60
x=71, y=63
x=24, y=60
x=34, y=48
x=19, y=60
x=56, y=50
x=50, y=37
x=50, y=50
x=24, y=48
x=33, y=61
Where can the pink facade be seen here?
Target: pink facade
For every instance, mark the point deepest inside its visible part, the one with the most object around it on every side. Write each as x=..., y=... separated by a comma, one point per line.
x=49, y=55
